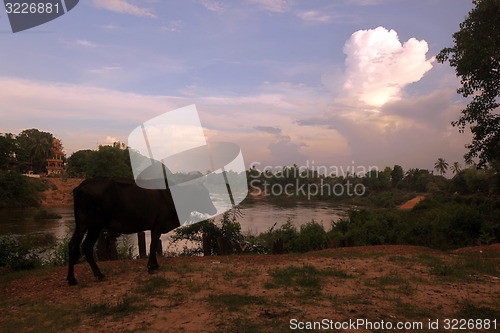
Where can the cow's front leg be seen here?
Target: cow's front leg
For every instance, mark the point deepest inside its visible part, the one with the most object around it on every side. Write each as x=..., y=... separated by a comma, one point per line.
x=152, y=262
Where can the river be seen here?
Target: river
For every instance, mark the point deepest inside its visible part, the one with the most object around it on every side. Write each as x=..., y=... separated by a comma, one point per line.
x=258, y=216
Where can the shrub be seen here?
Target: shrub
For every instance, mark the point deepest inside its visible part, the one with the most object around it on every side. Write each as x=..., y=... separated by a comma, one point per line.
x=228, y=228
x=16, y=190
x=462, y=221
x=18, y=253
x=312, y=236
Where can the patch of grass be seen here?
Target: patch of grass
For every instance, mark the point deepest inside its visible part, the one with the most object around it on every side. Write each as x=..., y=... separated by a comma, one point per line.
x=7, y=275
x=477, y=264
x=234, y=302
x=181, y=269
x=465, y=268
x=40, y=317
x=339, y=302
x=196, y=287
x=307, y=278
x=347, y=255
x=240, y=325
x=392, y=279
x=469, y=310
x=176, y=299
x=411, y=311
x=153, y=286
x=402, y=260
x=429, y=260
x=230, y=274
x=446, y=270
x=122, y=308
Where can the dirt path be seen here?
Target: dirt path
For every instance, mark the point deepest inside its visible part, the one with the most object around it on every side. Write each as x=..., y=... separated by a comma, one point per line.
x=259, y=293
x=60, y=191
x=411, y=203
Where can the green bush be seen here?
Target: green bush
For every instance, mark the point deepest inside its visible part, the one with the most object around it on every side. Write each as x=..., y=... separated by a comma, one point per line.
x=312, y=236
x=287, y=234
x=228, y=227
x=18, y=253
x=455, y=222
x=16, y=190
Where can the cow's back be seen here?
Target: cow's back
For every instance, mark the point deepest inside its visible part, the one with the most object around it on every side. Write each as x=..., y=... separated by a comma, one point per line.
x=122, y=206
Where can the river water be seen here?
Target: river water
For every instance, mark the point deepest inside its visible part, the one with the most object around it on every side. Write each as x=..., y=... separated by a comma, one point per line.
x=258, y=216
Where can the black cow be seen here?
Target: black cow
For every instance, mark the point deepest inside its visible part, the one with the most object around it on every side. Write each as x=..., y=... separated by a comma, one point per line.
x=121, y=206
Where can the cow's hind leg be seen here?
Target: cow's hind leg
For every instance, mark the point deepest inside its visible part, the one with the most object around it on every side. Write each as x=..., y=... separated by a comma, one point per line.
x=88, y=250
x=152, y=262
x=74, y=254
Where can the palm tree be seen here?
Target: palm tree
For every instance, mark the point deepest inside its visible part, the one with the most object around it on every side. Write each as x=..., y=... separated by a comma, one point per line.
x=441, y=166
x=36, y=147
x=456, y=168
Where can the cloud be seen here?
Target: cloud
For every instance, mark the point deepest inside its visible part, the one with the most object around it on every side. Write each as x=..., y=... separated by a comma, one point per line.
x=78, y=114
x=286, y=152
x=173, y=26
x=268, y=129
x=123, y=6
x=86, y=43
x=367, y=2
x=111, y=139
x=110, y=27
x=105, y=69
x=79, y=42
x=314, y=16
x=276, y=6
x=378, y=67
x=411, y=132
x=83, y=116
x=214, y=6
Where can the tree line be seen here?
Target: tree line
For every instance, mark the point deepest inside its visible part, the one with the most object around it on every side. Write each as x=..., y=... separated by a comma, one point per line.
x=28, y=151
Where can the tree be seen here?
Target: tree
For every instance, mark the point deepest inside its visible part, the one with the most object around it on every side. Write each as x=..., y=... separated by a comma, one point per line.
x=7, y=149
x=35, y=147
x=107, y=161
x=441, y=166
x=456, y=168
x=78, y=163
x=397, y=174
x=378, y=180
x=417, y=180
x=476, y=58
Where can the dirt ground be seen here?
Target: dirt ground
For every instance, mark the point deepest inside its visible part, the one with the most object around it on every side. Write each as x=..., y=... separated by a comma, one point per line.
x=411, y=203
x=60, y=192
x=260, y=293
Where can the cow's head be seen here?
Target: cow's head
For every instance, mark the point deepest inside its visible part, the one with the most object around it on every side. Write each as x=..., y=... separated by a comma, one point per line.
x=192, y=198
x=200, y=197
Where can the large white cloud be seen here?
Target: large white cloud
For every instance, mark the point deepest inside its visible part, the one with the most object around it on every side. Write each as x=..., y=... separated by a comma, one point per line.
x=378, y=66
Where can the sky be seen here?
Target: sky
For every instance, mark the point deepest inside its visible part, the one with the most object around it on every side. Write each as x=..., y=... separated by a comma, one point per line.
x=311, y=82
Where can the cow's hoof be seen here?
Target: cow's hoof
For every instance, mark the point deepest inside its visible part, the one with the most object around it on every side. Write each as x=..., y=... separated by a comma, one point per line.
x=72, y=281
